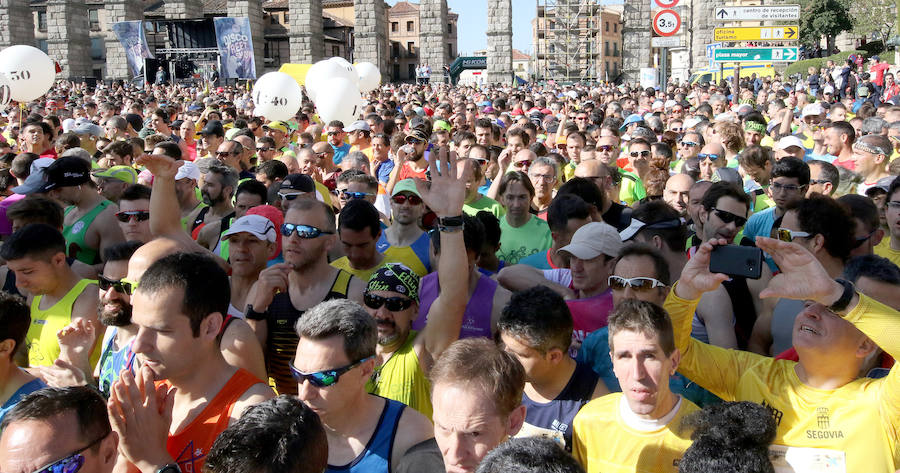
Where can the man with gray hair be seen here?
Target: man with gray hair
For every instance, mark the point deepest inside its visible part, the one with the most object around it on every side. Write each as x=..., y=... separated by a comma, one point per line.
x=874, y=126
x=334, y=360
x=356, y=160
x=544, y=175
x=116, y=128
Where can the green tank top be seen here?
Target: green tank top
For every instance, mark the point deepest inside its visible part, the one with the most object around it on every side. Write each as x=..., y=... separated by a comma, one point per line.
x=74, y=234
x=402, y=379
x=43, y=346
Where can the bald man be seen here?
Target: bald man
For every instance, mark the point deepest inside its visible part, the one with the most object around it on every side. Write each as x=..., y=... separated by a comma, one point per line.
x=239, y=344
x=677, y=192
x=711, y=157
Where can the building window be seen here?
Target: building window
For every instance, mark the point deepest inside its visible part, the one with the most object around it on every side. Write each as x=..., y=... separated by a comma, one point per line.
x=411, y=48
x=395, y=50
x=42, y=21
x=410, y=71
x=450, y=50
x=615, y=27
x=394, y=27
x=335, y=51
x=607, y=26
x=273, y=51
x=98, y=49
x=606, y=48
x=409, y=26
x=615, y=49
x=94, y=16
x=273, y=20
x=286, y=18
x=42, y=45
x=450, y=28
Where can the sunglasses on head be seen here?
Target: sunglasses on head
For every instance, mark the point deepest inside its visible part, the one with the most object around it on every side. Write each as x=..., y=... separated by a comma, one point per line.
x=787, y=235
x=345, y=194
x=72, y=462
x=324, y=378
x=711, y=157
x=525, y=163
x=119, y=285
x=393, y=304
x=728, y=217
x=618, y=283
x=139, y=215
x=643, y=154
x=307, y=232
x=401, y=199
x=290, y=196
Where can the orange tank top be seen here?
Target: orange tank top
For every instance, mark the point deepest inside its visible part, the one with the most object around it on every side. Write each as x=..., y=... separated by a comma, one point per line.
x=190, y=446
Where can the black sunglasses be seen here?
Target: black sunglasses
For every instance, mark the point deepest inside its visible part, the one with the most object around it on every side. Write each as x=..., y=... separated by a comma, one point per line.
x=118, y=285
x=729, y=217
x=393, y=304
x=324, y=378
x=139, y=215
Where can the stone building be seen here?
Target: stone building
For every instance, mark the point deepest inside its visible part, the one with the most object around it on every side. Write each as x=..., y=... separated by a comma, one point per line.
x=403, y=34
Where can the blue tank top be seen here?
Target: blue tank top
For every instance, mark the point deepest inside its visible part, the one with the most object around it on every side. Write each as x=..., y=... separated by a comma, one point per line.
x=554, y=419
x=376, y=458
x=477, y=319
x=112, y=362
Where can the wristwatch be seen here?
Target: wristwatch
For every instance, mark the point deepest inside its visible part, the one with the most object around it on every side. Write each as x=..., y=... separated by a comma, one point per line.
x=169, y=468
x=254, y=315
x=450, y=224
x=841, y=304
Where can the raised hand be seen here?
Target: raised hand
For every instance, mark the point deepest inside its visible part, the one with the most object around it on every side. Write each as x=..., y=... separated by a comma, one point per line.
x=161, y=166
x=802, y=277
x=447, y=192
x=76, y=341
x=696, y=277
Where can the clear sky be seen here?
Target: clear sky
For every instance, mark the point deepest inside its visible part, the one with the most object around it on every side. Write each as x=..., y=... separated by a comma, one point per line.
x=473, y=23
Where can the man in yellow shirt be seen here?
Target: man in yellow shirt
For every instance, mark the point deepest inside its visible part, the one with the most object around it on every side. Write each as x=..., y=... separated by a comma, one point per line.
x=639, y=429
x=825, y=413
x=890, y=247
x=358, y=231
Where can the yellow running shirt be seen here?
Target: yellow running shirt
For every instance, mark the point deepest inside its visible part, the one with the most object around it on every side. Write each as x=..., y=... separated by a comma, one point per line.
x=604, y=441
x=851, y=429
x=43, y=346
x=885, y=251
x=402, y=379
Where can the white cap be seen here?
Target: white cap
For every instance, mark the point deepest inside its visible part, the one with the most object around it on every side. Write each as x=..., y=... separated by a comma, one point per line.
x=812, y=109
x=691, y=122
x=188, y=170
x=789, y=141
x=256, y=225
x=593, y=240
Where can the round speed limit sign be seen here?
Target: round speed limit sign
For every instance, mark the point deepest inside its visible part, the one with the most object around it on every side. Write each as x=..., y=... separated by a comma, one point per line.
x=666, y=22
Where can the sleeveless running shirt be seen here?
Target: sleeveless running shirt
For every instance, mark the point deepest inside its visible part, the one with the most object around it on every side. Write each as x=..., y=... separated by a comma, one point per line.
x=282, y=339
x=554, y=419
x=74, y=235
x=402, y=378
x=477, y=318
x=376, y=458
x=43, y=346
x=112, y=362
x=190, y=446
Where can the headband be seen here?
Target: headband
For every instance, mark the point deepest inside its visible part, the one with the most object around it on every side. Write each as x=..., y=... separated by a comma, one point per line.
x=863, y=146
x=758, y=127
x=395, y=277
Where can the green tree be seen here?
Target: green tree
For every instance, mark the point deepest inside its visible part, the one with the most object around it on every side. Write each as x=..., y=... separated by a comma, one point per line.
x=827, y=18
x=873, y=16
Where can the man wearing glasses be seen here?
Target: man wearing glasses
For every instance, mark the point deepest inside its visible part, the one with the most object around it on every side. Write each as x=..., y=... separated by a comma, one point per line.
x=544, y=177
x=404, y=240
x=710, y=158
x=824, y=228
x=335, y=359
x=336, y=134
x=265, y=149
x=413, y=156
x=286, y=290
x=59, y=430
x=688, y=147
x=790, y=179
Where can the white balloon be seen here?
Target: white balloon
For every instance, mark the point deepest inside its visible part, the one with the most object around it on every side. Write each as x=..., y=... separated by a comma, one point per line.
x=339, y=101
x=276, y=96
x=320, y=75
x=28, y=70
x=369, y=76
x=4, y=92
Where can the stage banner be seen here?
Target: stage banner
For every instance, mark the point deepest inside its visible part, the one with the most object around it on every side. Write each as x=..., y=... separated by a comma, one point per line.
x=235, y=47
x=131, y=35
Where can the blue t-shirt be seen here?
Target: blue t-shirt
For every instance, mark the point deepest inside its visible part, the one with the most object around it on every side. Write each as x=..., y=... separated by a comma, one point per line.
x=538, y=260
x=383, y=171
x=339, y=152
x=17, y=396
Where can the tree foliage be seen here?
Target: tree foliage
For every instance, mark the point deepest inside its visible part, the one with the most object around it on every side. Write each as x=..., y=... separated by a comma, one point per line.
x=873, y=16
x=827, y=18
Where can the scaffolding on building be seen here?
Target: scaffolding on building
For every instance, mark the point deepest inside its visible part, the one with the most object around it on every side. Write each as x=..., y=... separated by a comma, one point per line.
x=567, y=37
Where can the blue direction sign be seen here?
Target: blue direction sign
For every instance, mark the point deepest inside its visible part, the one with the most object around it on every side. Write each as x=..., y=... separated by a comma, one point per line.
x=778, y=54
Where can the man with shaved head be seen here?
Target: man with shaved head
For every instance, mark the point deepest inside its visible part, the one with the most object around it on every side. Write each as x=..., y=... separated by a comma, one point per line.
x=677, y=193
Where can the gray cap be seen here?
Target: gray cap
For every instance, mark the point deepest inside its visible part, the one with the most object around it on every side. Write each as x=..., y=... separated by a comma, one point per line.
x=358, y=125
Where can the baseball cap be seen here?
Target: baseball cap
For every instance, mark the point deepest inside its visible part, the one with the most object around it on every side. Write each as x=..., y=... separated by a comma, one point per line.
x=232, y=132
x=66, y=172
x=593, y=240
x=188, y=170
x=883, y=184
x=256, y=225
x=812, y=109
x=441, y=125
x=298, y=182
x=275, y=216
x=691, y=122
x=633, y=118
x=213, y=127
x=88, y=129
x=126, y=174
x=636, y=226
x=828, y=90
x=35, y=180
x=276, y=125
x=406, y=185
x=418, y=134
x=358, y=125
x=789, y=141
